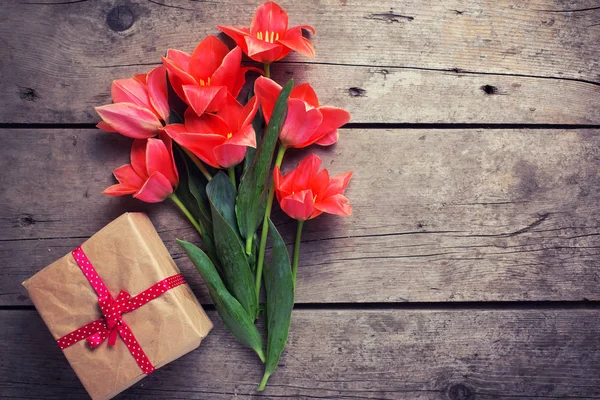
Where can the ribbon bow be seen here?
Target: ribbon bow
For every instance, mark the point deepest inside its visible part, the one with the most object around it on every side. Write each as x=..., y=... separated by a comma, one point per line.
x=112, y=324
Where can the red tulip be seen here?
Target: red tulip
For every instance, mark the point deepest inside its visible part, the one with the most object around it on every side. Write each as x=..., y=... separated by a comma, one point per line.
x=269, y=38
x=152, y=175
x=203, y=79
x=140, y=108
x=221, y=139
x=307, y=122
x=306, y=192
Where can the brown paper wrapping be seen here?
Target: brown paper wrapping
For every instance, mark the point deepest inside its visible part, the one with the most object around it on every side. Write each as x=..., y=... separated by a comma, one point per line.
x=128, y=255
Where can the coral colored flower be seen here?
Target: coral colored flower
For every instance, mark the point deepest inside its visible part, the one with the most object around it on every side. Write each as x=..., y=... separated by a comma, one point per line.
x=269, y=38
x=152, y=175
x=203, y=78
x=306, y=192
x=221, y=139
x=140, y=107
x=307, y=122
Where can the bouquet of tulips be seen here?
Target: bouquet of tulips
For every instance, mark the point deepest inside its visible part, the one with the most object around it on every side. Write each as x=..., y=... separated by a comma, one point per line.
x=197, y=143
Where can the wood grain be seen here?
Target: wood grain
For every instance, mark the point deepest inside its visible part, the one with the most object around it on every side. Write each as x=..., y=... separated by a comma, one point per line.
x=461, y=61
x=439, y=215
x=366, y=354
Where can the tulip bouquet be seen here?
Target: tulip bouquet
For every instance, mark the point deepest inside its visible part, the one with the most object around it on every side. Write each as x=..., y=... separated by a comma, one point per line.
x=210, y=152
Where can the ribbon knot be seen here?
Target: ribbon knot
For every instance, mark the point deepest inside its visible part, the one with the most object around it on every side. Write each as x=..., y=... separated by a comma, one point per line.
x=112, y=309
x=111, y=325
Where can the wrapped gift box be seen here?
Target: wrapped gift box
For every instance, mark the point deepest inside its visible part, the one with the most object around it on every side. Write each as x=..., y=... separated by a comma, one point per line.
x=128, y=255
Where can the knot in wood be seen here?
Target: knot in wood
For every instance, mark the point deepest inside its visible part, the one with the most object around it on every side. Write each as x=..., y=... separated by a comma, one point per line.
x=120, y=18
x=459, y=391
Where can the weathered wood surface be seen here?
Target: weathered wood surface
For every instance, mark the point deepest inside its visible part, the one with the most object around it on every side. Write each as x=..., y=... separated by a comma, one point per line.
x=458, y=61
x=392, y=354
x=439, y=215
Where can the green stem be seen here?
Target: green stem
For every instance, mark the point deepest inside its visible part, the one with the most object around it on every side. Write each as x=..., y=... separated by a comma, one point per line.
x=263, y=383
x=297, y=251
x=231, y=172
x=249, y=244
x=186, y=212
x=265, y=227
x=198, y=163
x=267, y=70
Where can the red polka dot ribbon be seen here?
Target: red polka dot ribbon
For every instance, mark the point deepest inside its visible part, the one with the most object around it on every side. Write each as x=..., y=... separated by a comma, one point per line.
x=112, y=324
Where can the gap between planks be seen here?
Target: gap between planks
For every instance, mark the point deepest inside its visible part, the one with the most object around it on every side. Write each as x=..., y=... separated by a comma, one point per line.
x=415, y=306
x=353, y=125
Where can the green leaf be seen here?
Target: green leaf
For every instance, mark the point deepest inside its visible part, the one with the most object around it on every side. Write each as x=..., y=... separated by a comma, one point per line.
x=279, y=286
x=234, y=317
x=191, y=192
x=252, y=191
x=221, y=194
x=197, y=184
x=234, y=264
x=183, y=189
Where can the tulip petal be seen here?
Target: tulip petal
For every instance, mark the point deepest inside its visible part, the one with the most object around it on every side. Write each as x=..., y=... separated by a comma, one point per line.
x=120, y=189
x=299, y=205
x=200, y=144
x=237, y=33
x=300, y=125
x=333, y=118
x=206, y=123
x=162, y=135
x=230, y=112
x=267, y=91
x=125, y=174
x=245, y=137
x=277, y=182
x=337, y=204
x=141, y=78
x=306, y=93
x=319, y=183
x=329, y=138
x=241, y=79
x=138, y=158
x=204, y=98
x=156, y=189
x=179, y=58
x=307, y=168
x=269, y=17
x=105, y=127
x=248, y=113
x=158, y=159
x=309, y=28
x=207, y=57
x=286, y=184
x=294, y=40
x=130, y=120
x=262, y=51
x=177, y=64
x=229, y=155
x=130, y=91
x=227, y=73
x=157, y=91
x=338, y=184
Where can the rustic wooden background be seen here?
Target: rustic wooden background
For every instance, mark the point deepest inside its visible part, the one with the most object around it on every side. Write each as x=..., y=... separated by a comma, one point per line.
x=470, y=269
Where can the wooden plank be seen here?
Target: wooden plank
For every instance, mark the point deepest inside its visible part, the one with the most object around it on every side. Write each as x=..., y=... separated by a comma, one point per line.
x=489, y=62
x=439, y=215
x=429, y=354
